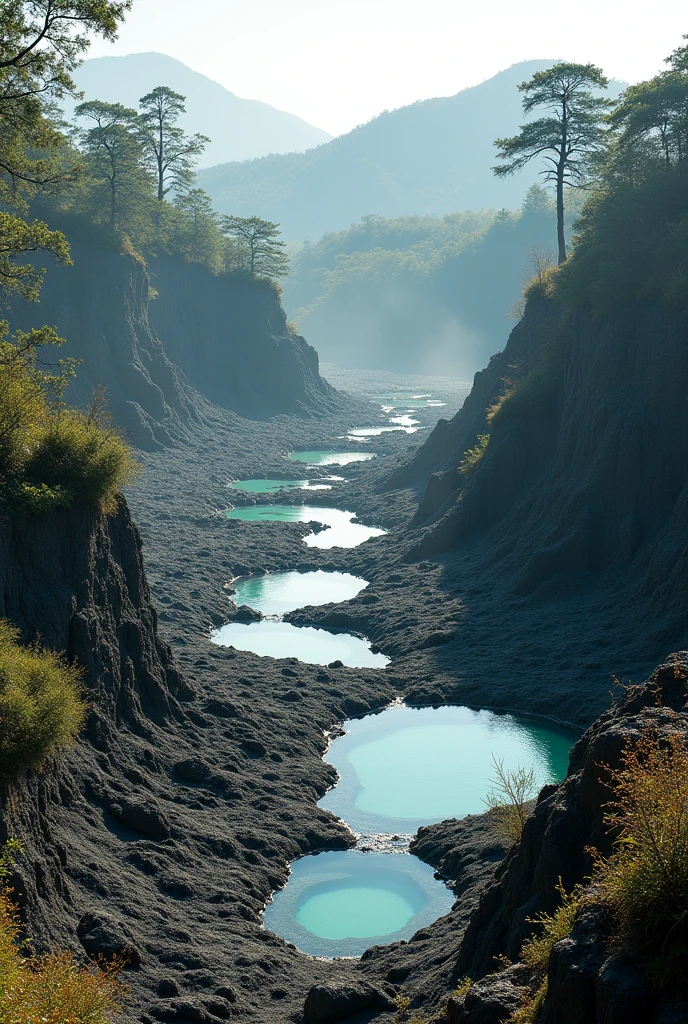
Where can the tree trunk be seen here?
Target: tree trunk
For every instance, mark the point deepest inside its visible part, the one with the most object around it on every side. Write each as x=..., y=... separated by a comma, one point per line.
x=561, y=238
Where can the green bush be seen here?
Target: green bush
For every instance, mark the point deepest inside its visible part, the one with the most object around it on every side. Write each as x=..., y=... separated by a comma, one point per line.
x=536, y=950
x=41, y=707
x=81, y=457
x=472, y=457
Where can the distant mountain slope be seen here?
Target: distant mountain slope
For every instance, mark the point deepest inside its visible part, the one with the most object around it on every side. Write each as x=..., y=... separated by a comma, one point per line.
x=239, y=129
x=431, y=157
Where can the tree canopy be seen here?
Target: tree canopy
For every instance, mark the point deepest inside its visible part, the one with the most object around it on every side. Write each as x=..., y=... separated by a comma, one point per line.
x=170, y=153
x=257, y=247
x=571, y=129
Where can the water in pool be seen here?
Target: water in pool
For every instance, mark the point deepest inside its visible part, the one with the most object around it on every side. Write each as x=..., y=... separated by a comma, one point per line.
x=330, y=458
x=407, y=767
x=339, y=904
x=360, y=433
x=340, y=530
x=281, y=592
x=313, y=646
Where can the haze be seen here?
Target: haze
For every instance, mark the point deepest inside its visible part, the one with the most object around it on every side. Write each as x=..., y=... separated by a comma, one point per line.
x=338, y=63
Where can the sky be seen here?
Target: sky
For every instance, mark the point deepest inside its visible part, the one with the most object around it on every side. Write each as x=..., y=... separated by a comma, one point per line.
x=337, y=63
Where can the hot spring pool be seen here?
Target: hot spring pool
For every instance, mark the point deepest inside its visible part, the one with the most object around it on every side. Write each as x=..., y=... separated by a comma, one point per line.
x=280, y=592
x=339, y=904
x=340, y=530
x=308, y=644
x=408, y=767
x=400, y=769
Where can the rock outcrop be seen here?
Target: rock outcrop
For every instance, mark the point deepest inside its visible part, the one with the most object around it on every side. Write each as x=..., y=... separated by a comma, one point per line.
x=230, y=337
x=167, y=355
x=588, y=983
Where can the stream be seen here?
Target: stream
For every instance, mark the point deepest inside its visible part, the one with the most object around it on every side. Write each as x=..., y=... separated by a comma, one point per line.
x=398, y=769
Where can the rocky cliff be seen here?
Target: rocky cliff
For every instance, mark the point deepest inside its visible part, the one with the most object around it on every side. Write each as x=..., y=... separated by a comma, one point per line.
x=202, y=339
x=230, y=337
x=589, y=471
x=588, y=983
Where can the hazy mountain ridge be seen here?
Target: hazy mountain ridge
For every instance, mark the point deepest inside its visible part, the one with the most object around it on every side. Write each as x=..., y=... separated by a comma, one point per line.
x=434, y=156
x=239, y=129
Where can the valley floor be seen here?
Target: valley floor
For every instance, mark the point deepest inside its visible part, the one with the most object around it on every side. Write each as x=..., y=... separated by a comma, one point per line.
x=454, y=633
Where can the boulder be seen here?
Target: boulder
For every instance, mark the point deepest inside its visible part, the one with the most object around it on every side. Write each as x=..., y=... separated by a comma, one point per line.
x=104, y=937
x=338, y=1001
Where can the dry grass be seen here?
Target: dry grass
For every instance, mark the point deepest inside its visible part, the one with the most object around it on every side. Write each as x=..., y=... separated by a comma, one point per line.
x=645, y=880
x=50, y=989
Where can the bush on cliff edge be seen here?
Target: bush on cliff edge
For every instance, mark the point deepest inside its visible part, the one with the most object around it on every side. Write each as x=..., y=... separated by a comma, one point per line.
x=41, y=707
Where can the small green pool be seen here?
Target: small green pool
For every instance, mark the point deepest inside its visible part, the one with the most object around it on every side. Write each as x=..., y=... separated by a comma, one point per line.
x=313, y=646
x=339, y=904
x=280, y=592
x=340, y=529
x=408, y=767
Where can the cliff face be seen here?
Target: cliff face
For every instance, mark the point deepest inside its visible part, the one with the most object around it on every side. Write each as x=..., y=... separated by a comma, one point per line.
x=590, y=474
x=99, y=305
x=230, y=338
x=202, y=338
x=76, y=580
x=587, y=983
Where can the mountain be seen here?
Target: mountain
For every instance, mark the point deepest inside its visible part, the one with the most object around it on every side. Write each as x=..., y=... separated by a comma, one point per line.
x=434, y=156
x=239, y=129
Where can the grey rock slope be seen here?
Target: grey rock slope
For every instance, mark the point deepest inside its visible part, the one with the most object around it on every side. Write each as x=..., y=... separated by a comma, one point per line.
x=588, y=477
x=230, y=337
x=238, y=129
x=204, y=340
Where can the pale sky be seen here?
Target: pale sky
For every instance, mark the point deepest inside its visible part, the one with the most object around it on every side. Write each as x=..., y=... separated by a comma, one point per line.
x=337, y=63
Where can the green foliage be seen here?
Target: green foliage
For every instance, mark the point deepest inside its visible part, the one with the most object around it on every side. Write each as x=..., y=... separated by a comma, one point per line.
x=566, y=137
x=254, y=247
x=169, y=153
x=463, y=988
x=536, y=950
x=632, y=237
x=41, y=707
x=81, y=457
x=533, y=394
x=50, y=989
x=507, y=801
x=645, y=881
x=118, y=186
x=472, y=457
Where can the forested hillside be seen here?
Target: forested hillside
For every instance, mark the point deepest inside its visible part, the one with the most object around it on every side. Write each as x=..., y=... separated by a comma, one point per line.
x=433, y=157
x=421, y=294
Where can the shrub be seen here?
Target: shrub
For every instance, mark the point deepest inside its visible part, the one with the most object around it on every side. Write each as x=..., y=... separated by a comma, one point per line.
x=82, y=456
x=536, y=950
x=50, y=989
x=473, y=456
x=508, y=800
x=645, y=880
x=41, y=708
